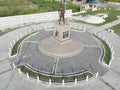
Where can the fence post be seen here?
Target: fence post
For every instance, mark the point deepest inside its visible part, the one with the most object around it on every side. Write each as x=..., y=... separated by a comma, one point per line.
x=27, y=75
x=14, y=42
x=11, y=45
x=87, y=77
x=25, y=33
x=75, y=81
x=19, y=70
x=96, y=74
x=21, y=35
x=63, y=82
x=50, y=82
x=38, y=80
x=13, y=65
x=17, y=38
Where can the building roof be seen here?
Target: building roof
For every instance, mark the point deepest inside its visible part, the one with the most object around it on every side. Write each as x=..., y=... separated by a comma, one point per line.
x=92, y=1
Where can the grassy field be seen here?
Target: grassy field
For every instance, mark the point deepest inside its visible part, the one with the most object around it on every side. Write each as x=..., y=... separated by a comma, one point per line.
x=116, y=29
x=20, y=7
x=112, y=14
x=15, y=3
x=16, y=7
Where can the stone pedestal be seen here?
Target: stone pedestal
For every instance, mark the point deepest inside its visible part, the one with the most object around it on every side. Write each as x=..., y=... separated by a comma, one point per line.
x=62, y=32
x=60, y=44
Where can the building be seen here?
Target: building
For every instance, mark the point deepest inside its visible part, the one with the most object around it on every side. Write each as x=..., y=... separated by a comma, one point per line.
x=89, y=5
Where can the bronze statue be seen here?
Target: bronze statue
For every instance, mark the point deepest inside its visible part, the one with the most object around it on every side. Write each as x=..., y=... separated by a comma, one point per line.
x=61, y=14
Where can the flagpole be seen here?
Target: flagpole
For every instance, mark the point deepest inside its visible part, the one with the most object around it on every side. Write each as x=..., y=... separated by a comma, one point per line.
x=65, y=5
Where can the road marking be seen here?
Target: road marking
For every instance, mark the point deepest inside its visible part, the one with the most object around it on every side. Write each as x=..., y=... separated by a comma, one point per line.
x=55, y=65
x=91, y=46
x=32, y=41
x=26, y=56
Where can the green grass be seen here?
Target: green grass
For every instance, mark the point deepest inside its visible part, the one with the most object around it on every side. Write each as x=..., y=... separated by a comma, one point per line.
x=17, y=44
x=14, y=2
x=112, y=15
x=2, y=32
x=73, y=7
x=16, y=7
x=113, y=0
x=53, y=6
x=116, y=29
x=56, y=79
x=107, y=51
x=21, y=7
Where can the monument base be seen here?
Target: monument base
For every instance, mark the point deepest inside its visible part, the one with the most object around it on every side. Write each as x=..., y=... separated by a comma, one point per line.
x=62, y=32
x=60, y=44
x=51, y=47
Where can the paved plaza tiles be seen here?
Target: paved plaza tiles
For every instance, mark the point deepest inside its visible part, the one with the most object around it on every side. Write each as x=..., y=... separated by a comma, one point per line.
x=86, y=60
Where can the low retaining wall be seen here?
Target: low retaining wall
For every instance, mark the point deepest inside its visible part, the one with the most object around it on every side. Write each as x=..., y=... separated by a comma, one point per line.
x=21, y=20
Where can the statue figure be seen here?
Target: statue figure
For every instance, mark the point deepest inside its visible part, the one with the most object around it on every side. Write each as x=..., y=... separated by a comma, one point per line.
x=61, y=13
x=56, y=34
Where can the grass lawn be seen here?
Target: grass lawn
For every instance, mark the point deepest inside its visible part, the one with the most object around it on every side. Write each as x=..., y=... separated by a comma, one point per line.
x=116, y=29
x=17, y=44
x=16, y=7
x=53, y=6
x=14, y=2
x=21, y=7
x=107, y=56
x=112, y=14
x=56, y=79
x=107, y=51
x=113, y=0
x=4, y=32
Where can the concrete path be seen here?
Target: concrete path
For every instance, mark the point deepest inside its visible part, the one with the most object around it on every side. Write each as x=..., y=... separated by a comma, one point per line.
x=106, y=26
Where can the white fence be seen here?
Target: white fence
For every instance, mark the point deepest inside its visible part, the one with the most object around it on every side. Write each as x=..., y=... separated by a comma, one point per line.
x=20, y=20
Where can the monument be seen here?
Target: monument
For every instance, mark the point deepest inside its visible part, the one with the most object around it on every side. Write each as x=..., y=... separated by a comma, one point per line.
x=60, y=44
x=61, y=54
x=61, y=13
x=62, y=30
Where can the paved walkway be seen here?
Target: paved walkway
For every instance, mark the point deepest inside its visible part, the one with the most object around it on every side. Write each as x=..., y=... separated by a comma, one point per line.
x=11, y=80
x=86, y=59
x=106, y=26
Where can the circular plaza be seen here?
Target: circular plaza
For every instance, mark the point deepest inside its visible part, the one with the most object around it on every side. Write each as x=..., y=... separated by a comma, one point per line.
x=87, y=59
x=36, y=54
